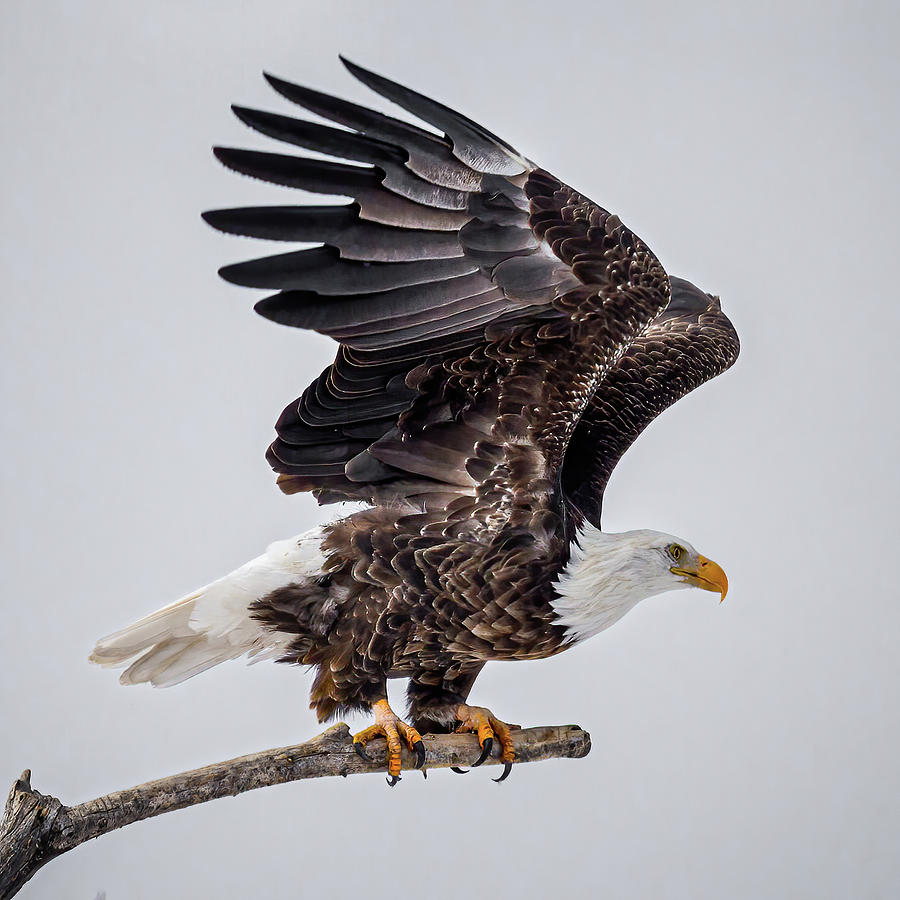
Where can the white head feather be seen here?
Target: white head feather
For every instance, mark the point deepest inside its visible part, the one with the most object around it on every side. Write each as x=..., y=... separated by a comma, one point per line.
x=609, y=574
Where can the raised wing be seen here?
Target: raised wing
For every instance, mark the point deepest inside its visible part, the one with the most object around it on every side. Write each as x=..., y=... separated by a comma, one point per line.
x=475, y=297
x=691, y=341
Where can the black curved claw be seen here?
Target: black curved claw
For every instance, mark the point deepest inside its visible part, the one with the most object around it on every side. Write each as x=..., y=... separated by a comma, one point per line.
x=392, y=780
x=486, y=748
x=419, y=747
x=360, y=749
x=425, y=774
x=507, y=768
x=458, y=770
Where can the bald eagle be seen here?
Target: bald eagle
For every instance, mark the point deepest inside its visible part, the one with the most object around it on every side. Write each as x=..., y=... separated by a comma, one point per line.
x=502, y=340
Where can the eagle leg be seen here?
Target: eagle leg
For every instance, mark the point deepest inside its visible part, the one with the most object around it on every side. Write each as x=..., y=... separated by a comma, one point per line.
x=395, y=731
x=488, y=727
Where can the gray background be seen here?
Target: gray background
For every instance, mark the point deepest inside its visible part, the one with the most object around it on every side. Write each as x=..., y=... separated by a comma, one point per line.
x=744, y=750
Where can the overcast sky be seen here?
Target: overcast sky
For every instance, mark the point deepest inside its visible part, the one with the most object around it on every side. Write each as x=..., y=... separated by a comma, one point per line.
x=745, y=750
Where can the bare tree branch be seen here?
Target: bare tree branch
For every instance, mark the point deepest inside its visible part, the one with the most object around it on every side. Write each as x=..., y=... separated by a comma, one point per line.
x=36, y=828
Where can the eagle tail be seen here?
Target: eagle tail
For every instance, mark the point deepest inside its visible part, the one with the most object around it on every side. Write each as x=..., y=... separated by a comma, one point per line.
x=215, y=623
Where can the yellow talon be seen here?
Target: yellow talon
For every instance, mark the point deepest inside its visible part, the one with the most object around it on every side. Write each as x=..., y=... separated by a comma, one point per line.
x=393, y=730
x=488, y=727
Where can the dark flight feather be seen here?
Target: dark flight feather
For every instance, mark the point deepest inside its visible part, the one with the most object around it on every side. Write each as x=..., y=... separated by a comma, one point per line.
x=339, y=227
x=472, y=144
x=322, y=270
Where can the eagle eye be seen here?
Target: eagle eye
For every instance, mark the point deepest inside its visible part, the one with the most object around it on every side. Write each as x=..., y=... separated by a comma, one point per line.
x=676, y=552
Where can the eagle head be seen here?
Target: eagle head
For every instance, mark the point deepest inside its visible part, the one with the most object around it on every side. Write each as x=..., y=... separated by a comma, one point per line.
x=609, y=574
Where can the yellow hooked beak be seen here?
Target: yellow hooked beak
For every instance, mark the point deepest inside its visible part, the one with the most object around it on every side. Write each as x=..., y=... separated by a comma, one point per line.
x=706, y=575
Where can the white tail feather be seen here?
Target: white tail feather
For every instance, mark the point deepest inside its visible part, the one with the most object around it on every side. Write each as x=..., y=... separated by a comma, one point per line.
x=213, y=624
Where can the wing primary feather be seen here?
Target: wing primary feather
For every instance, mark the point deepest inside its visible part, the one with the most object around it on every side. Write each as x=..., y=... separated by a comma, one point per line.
x=317, y=224
x=320, y=176
x=322, y=270
x=337, y=226
x=472, y=144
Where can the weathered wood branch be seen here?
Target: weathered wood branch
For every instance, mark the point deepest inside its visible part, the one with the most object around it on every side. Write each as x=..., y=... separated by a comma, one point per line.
x=37, y=828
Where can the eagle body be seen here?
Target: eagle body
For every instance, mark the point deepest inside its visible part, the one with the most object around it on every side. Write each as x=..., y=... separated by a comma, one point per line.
x=396, y=600
x=502, y=341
